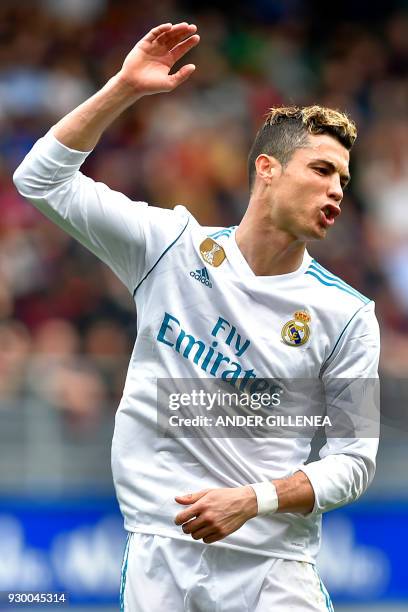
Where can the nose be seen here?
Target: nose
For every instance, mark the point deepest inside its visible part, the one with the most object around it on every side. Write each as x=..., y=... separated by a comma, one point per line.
x=335, y=190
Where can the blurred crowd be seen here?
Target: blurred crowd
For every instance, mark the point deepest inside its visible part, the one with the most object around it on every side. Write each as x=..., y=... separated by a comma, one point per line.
x=67, y=325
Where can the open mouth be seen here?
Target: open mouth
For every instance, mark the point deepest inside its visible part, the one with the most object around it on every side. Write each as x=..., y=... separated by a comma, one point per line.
x=328, y=214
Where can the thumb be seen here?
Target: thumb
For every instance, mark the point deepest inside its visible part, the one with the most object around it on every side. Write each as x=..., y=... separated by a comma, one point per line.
x=190, y=498
x=181, y=75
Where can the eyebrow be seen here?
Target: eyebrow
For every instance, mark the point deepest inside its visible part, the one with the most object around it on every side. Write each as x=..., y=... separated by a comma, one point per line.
x=344, y=178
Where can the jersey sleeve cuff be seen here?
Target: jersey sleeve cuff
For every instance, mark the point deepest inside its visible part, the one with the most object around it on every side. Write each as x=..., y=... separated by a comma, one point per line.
x=313, y=476
x=60, y=153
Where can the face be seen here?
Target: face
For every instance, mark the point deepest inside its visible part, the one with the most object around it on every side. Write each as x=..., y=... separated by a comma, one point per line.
x=305, y=196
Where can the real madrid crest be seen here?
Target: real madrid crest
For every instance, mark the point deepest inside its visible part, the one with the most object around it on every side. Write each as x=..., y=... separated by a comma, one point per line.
x=212, y=253
x=297, y=331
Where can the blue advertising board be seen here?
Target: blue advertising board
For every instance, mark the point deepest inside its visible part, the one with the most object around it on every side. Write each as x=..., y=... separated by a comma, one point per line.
x=76, y=546
x=363, y=558
x=73, y=546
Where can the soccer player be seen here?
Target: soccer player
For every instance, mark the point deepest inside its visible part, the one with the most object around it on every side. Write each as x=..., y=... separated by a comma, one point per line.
x=220, y=523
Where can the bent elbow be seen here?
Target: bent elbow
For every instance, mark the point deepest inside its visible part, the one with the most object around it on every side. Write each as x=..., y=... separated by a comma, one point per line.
x=363, y=473
x=32, y=181
x=19, y=179
x=27, y=185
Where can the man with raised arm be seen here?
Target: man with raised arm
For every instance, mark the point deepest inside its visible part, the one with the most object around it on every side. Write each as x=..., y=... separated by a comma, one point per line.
x=243, y=306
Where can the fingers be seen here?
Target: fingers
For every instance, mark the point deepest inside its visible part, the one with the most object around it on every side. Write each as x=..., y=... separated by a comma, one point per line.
x=190, y=498
x=182, y=48
x=211, y=538
x=155, y=32
x=185, y=516
x=176, y=34
x=176, y=79
x=169, y=34
x=163, y=46
x=204, y=533
x=200, y=530
x=196, y=524
x=193, y=510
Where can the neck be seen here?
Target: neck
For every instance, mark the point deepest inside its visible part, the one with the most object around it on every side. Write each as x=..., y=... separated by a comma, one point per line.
x=268, y=250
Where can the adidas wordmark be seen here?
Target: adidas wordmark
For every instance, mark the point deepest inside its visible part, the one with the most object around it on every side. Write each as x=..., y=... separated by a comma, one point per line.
x=202, y=276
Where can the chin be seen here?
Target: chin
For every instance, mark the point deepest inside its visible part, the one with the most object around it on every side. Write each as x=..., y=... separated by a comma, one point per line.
x=319, y=233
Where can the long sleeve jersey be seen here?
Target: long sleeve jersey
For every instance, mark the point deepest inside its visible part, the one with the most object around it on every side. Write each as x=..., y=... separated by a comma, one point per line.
x=203, y=314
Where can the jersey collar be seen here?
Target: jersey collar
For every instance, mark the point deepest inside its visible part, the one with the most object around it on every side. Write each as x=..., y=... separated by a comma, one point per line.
x=240, y=265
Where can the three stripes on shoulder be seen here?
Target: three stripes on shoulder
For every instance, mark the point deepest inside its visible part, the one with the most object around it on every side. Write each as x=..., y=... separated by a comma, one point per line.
x=330, y=280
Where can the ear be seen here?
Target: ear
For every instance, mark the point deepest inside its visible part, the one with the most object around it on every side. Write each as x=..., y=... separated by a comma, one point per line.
x=266, y=167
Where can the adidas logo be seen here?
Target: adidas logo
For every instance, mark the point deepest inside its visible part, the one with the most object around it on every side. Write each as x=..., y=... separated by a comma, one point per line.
x=202, y=276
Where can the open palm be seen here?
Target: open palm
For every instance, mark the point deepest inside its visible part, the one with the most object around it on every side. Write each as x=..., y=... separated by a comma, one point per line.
x=146, y=68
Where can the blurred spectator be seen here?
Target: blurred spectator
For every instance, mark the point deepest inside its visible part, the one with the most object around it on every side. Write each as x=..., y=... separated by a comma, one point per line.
x=15, y=347
x=64, y=380
x=57, y=339
x=77, y=390
x=384, y=187
x=6, y=299
x=108, y=346
x=75, y=10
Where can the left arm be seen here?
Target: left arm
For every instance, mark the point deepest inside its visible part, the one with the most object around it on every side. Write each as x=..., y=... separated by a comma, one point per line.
x=214, y=514
x=348, y=459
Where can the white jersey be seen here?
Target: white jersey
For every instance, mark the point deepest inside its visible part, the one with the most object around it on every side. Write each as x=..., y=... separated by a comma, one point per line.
x=202, y=312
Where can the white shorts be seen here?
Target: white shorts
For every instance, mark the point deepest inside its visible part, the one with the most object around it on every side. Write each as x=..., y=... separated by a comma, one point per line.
x=162, y=574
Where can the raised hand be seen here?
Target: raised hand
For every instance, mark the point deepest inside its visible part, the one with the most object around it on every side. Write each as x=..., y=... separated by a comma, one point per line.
x=146, y=68
x=144, y=71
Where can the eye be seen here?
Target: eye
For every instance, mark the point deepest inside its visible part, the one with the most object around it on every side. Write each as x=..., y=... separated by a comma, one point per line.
x=322, y=170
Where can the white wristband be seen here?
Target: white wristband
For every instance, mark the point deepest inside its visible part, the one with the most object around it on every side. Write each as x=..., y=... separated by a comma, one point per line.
x=266, y=496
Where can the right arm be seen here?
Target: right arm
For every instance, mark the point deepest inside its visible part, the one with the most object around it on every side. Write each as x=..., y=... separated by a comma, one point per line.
x=145, y=71
x=104, y=221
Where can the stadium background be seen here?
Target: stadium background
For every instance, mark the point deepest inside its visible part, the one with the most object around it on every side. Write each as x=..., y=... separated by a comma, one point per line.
x=67, y=325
